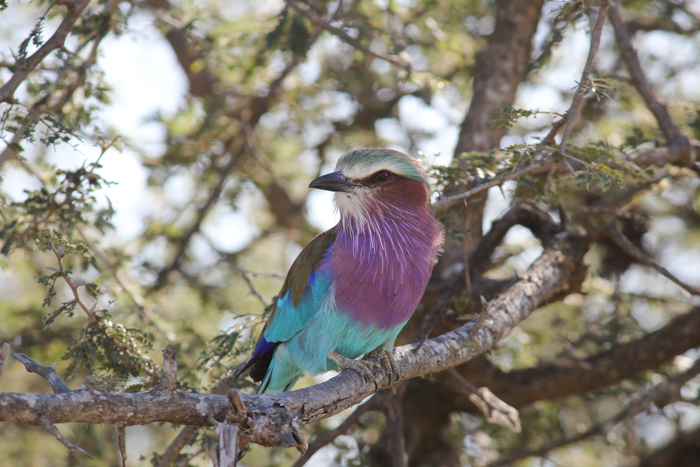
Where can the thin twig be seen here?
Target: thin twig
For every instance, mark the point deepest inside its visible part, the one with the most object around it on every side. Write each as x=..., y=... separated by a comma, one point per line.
x=27, y=65
x=550, y=176
x=441, y=205
x=638, y=78
x=616, y=235
x=573, y=113
x=680, y=150
x=307, y=12
x=74, y=286
x=251, y=287
x=173, y=451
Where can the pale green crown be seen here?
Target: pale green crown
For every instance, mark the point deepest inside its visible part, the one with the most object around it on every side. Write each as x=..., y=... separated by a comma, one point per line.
x=361, y=163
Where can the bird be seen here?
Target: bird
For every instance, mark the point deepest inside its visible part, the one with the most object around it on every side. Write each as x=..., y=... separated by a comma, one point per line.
x=353, y=287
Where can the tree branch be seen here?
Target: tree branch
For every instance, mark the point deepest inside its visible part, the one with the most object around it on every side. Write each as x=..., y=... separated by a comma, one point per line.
x=668, y=390
x=443, y=204
x=27, y=65
x=679, y=148
x=51, y=428
x=46, y=372
x=619, y=238
x=563, y=378
x=308, y=13
x=274, y=417
x=575, y=108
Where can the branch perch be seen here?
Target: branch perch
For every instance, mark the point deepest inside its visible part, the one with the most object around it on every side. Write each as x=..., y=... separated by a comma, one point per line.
x=276, y=418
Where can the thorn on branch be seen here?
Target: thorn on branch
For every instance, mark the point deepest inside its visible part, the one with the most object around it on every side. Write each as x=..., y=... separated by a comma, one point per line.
x=51, y=428
x=169, y=378
x=46, y=372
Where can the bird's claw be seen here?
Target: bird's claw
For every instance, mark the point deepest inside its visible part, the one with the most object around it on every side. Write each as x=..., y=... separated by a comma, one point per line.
x=361, y=367
x=387, y=361
x=366, y=366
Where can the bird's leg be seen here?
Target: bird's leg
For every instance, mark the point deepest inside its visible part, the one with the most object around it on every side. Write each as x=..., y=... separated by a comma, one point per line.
x=361, y=367
x=387, y=361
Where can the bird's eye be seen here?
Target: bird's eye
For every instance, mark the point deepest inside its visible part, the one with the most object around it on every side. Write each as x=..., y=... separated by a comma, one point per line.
x=381, y=176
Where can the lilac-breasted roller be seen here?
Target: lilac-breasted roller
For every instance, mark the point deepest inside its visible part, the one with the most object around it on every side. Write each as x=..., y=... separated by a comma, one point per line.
x=353, y=287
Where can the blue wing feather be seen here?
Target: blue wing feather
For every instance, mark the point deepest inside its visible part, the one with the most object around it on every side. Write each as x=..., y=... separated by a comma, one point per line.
x=290, y=319
x=298, y=301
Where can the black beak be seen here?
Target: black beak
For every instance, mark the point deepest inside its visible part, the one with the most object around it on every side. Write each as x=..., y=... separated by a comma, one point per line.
x=334, y=181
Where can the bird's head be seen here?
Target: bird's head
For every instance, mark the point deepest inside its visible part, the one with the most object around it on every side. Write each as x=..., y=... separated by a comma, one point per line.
x=366, y=178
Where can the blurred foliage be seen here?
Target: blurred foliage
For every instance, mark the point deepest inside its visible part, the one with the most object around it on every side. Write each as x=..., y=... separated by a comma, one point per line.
x=273, y=100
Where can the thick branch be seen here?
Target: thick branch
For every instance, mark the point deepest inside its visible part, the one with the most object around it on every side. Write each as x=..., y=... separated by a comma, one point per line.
x=201, y=80
x=502, y=66
x=274, y=416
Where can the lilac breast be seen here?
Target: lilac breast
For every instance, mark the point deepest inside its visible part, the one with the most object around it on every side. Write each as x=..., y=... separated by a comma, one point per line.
x=379, y=269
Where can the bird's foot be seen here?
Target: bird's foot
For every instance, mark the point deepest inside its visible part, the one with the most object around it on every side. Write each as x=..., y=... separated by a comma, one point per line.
x=361, y=367
x=387, y=361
